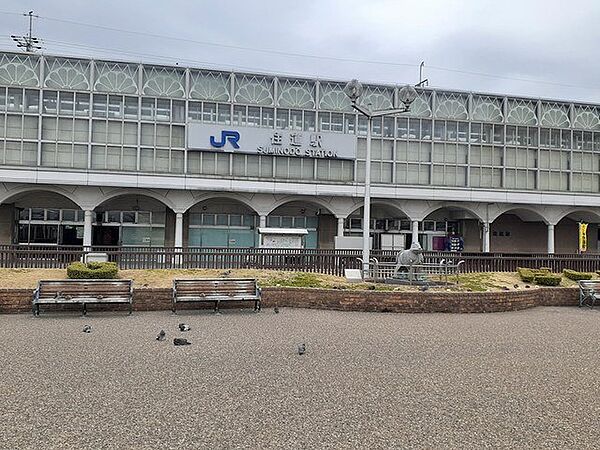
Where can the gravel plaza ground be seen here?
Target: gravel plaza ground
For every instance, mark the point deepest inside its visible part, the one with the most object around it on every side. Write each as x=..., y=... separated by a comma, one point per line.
x=526, y=379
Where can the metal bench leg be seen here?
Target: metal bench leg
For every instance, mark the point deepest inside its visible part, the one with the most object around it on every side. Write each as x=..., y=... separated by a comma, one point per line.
x=216, y=306
x=174, y=307
x=130, y=308
x=84, y=308
x=36, y=309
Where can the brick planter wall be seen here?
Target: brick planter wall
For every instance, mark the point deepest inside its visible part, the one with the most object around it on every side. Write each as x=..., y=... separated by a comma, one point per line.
x=159, y=299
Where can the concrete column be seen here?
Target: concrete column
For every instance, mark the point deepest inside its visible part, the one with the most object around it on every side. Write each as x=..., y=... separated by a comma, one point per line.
x=550, y=238
x=178, y=230
x=263, y=222
x=340, y=227
x=486, y=237
x=88, y=218
x=415, y=231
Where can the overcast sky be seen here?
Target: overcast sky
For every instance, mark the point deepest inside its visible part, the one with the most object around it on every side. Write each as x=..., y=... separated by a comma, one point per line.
x=536, y=48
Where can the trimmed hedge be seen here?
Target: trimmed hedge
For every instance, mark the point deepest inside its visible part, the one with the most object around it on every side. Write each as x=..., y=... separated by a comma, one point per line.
x=93, y=270
x=548, y=280
x=527, y=275
x=576, y=276
x=541, y=276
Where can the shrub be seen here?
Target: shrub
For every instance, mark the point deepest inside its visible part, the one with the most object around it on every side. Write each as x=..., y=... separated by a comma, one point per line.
x=93, y=270
x=527, y=275
x=576, y=276
x=545, y=269
x=548, y=280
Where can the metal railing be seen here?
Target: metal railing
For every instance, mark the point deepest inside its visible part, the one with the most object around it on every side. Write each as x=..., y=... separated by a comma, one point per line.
x=324, y=261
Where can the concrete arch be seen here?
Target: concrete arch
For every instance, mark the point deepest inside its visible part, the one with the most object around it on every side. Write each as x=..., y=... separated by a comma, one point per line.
x=525, y=213
x=314, y=201
x=216, y=196
x=581, y=213
x=427, y=212
x=24, y=190
x=385, y=203
x=146, y=193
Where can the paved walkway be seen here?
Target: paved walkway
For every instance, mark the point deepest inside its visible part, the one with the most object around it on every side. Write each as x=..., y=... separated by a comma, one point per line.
x=506, y=380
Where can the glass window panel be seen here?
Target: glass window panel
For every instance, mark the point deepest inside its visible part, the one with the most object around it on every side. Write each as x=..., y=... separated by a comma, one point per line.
x=29, y=155
x=128, y=216
x=176, y=161
x=13, y=152
x=296, y=120
x=147, y=160
x=267, y=117
x=162, y=135
x=113, y=132
x=282, y=121
x=177, y=136
x=14, y=126
x=80, y=156
x=148, y=108
x=402, y=127
x=350, y=123
x=239, y=115
x=130, y=135
x=30, y=127
x=162, y=160
x=98, y=157
x=49, y=128
x=252, y=165
x=50, y=102
x=113, y=158
x=178, y=111
x=209, y=113
x=195, y=111
x=439, y=130
x=147, y=134
x=100, y=105
x=253, y=116
x=224, y=112
x=64, y=156
x=129, y=159
x=32, y=98
x=310, y=121
x=222, y=164
x=15, y=99
x=163, y=109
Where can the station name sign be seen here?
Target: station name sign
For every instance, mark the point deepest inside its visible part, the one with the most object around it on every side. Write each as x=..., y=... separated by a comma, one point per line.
x=266, y=141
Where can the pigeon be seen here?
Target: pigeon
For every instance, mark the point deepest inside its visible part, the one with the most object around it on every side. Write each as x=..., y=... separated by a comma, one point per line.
x=161, y=336
x=226, y=273
x=516, y=286
x=184, y=327
x=276, y=310
x=527, y=286
x=302, y=349
x=87, y=329
x=424, y=288
x=181, y=341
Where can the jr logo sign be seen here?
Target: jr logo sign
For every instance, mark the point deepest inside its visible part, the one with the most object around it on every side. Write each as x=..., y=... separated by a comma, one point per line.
x=226, y=135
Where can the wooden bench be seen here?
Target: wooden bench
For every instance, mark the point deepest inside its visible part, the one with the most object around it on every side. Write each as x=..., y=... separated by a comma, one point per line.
x=589, y=292
x=216, y=290
x=54, y=292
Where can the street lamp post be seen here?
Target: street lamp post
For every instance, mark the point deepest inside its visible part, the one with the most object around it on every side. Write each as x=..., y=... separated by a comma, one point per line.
x=354, y=90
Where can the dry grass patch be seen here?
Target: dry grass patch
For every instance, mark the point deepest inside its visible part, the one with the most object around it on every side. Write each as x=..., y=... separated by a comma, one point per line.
x=471, y=282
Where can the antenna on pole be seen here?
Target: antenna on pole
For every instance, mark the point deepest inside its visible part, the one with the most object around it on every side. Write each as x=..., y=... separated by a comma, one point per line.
x=28, y=43
x=422, y=81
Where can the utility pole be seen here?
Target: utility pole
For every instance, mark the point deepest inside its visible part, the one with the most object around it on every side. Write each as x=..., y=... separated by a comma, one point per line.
x=28, y=43
x=422, y=81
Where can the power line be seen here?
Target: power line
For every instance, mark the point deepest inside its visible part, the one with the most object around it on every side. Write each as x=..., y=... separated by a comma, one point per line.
x=278, y=52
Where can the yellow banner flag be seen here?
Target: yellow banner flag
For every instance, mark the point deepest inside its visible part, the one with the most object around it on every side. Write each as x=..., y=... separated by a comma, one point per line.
x=583, y=236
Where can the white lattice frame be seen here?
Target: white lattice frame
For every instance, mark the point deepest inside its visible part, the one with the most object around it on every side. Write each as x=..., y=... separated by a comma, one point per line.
x=162, y=74
x=445, y=99
x=55, y=65
x=243, y=82
x=129, y=72
x=30, y=63
x=218, y=77
x=334, y=91
x=479, y=102
x=287, y=85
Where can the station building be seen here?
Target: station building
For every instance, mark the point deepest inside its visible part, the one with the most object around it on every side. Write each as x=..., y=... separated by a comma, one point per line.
x=97, y=152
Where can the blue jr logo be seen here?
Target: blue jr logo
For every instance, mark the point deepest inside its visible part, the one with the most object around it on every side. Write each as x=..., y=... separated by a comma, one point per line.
x=226, y=135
